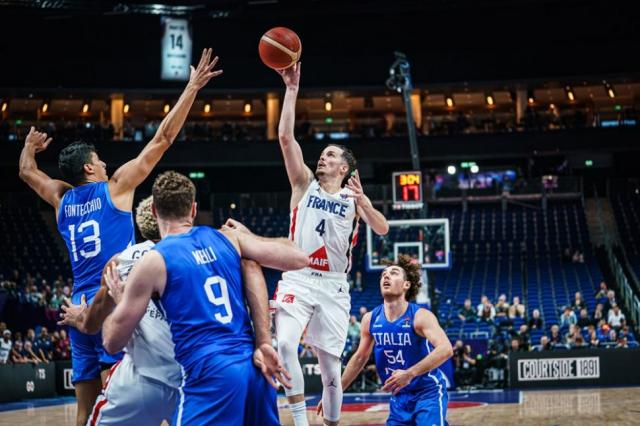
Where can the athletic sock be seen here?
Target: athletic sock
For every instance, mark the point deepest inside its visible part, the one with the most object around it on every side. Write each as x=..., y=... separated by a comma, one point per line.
x=299, y=413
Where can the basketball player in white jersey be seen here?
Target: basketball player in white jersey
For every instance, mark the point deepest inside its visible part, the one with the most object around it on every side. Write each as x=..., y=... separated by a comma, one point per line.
x=143, y=387
x=325, y=209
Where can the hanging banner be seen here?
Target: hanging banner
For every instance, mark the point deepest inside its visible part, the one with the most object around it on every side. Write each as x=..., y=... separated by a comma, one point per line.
x=176, y=49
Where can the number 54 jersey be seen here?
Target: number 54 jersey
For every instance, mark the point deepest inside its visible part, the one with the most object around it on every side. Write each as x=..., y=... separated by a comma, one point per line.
x=93, y=230
x=325, y=227
x=203, y=299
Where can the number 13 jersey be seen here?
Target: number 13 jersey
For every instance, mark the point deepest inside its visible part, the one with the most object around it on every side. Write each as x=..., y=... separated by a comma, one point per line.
x=325, y=227
x=93, y=230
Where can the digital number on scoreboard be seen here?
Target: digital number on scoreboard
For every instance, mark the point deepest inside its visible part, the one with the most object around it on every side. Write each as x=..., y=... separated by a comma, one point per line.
x=407, y=190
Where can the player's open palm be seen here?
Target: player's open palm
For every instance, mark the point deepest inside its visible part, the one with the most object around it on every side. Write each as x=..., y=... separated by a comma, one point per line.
x=291, y=76
x=37, y=140
x=204, y=72
x=398, y=380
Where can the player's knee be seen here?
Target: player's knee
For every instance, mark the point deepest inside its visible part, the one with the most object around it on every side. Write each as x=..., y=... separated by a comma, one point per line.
x=287, y=349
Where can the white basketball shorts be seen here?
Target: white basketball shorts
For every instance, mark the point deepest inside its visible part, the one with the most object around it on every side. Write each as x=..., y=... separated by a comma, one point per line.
x=319, y=301
x=131, y=399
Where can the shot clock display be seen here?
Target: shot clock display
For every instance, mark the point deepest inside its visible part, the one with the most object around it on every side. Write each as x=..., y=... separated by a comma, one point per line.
x=407, y=190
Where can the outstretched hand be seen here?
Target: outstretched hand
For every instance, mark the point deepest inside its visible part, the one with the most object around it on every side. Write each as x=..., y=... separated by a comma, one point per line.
x=201, y=75
x=37, y=140
x=72, y=315
x=291, y=76
x=267, y=360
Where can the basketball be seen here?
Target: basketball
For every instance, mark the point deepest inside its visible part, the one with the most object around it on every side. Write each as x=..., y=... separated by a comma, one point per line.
x=280, y=48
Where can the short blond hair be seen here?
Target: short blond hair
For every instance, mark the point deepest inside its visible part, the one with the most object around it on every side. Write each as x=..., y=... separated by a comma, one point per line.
x=147, y=224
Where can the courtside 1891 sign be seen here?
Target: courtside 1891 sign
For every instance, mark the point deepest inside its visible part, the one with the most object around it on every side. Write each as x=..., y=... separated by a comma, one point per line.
x=176, y=49
x=558, y=369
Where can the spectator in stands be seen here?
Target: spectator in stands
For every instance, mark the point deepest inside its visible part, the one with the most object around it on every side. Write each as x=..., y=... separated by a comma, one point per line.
x=43, y=347
x=466, y=312
x=28, y=354
x=535, y=322
x=62, y=348
x=624, y=330
x=16, y=352
x=622, y=342
x=3, y=327
x=31, y=336
x=594, y=342
x=488, y=312
x=601, y=295
x=515, y=345
x=568, y=317
x=615, y=316
x=598, y=314
x=465, y=364
x=480, y=307
x=555, y=336
x=608, y=304
x=584, y=320
x=578, y=302
x=5, y=346
x=362, y=311
x=524, y=337
x=54, y=304
x=544, y=345
x=353, y=332
x=572, y=334
x=502, y=307
x=603, y=330
x=517, y=309
x=579, y=342
x=613, y=336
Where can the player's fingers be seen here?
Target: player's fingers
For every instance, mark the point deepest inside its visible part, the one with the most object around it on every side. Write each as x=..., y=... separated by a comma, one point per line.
x=213, y=63
x=33, y=129
x=47, y=142
x=284, y=379
x=204, y=52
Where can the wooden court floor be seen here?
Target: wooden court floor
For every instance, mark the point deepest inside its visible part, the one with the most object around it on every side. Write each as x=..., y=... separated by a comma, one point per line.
x=606, y=406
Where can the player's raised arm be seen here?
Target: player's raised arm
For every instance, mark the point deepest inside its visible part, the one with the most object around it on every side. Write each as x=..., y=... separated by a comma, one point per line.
x=299, y=174
x=365, y=208
x=425, y=325
x=277, y=253
x=50, y=190
x=149, y=275
x=132, y=173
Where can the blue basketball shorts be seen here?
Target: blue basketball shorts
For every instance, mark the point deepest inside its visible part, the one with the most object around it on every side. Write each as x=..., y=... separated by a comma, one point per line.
x=226, y=391
x=419, y=409
x=87, y=353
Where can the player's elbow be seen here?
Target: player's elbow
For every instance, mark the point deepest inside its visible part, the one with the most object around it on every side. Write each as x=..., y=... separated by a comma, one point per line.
x=110, y=345
x=299, y=260
x=285, y=138
x=448, y=350
x=383, y=228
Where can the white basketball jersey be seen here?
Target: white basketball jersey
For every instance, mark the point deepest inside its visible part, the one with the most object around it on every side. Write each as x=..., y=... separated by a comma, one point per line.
x=150, y=347
x=325, y=226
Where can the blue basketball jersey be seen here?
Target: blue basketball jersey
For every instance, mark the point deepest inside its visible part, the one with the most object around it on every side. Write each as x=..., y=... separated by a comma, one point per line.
x=399, y=347
x=93, y=230
x=203, y=298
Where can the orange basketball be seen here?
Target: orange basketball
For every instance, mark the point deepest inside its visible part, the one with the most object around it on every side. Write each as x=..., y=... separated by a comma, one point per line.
x=280, y=48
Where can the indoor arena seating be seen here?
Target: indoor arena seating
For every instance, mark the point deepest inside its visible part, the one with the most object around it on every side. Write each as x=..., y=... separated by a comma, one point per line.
x=27, y=244
x=626, y=208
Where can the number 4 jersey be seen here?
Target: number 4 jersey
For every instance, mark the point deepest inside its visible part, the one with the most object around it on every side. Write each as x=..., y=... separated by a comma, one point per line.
x=325, y=227
x=203, y=299
x=93, y=230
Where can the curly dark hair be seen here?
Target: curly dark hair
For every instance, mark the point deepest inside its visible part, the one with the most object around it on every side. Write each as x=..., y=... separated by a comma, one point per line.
x=411, y=273
x=173, y=194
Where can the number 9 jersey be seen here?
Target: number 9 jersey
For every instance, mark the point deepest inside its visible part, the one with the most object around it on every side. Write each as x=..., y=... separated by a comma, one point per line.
x=93, y=230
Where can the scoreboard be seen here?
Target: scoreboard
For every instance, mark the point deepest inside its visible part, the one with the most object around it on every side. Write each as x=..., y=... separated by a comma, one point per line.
x=407, y=190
